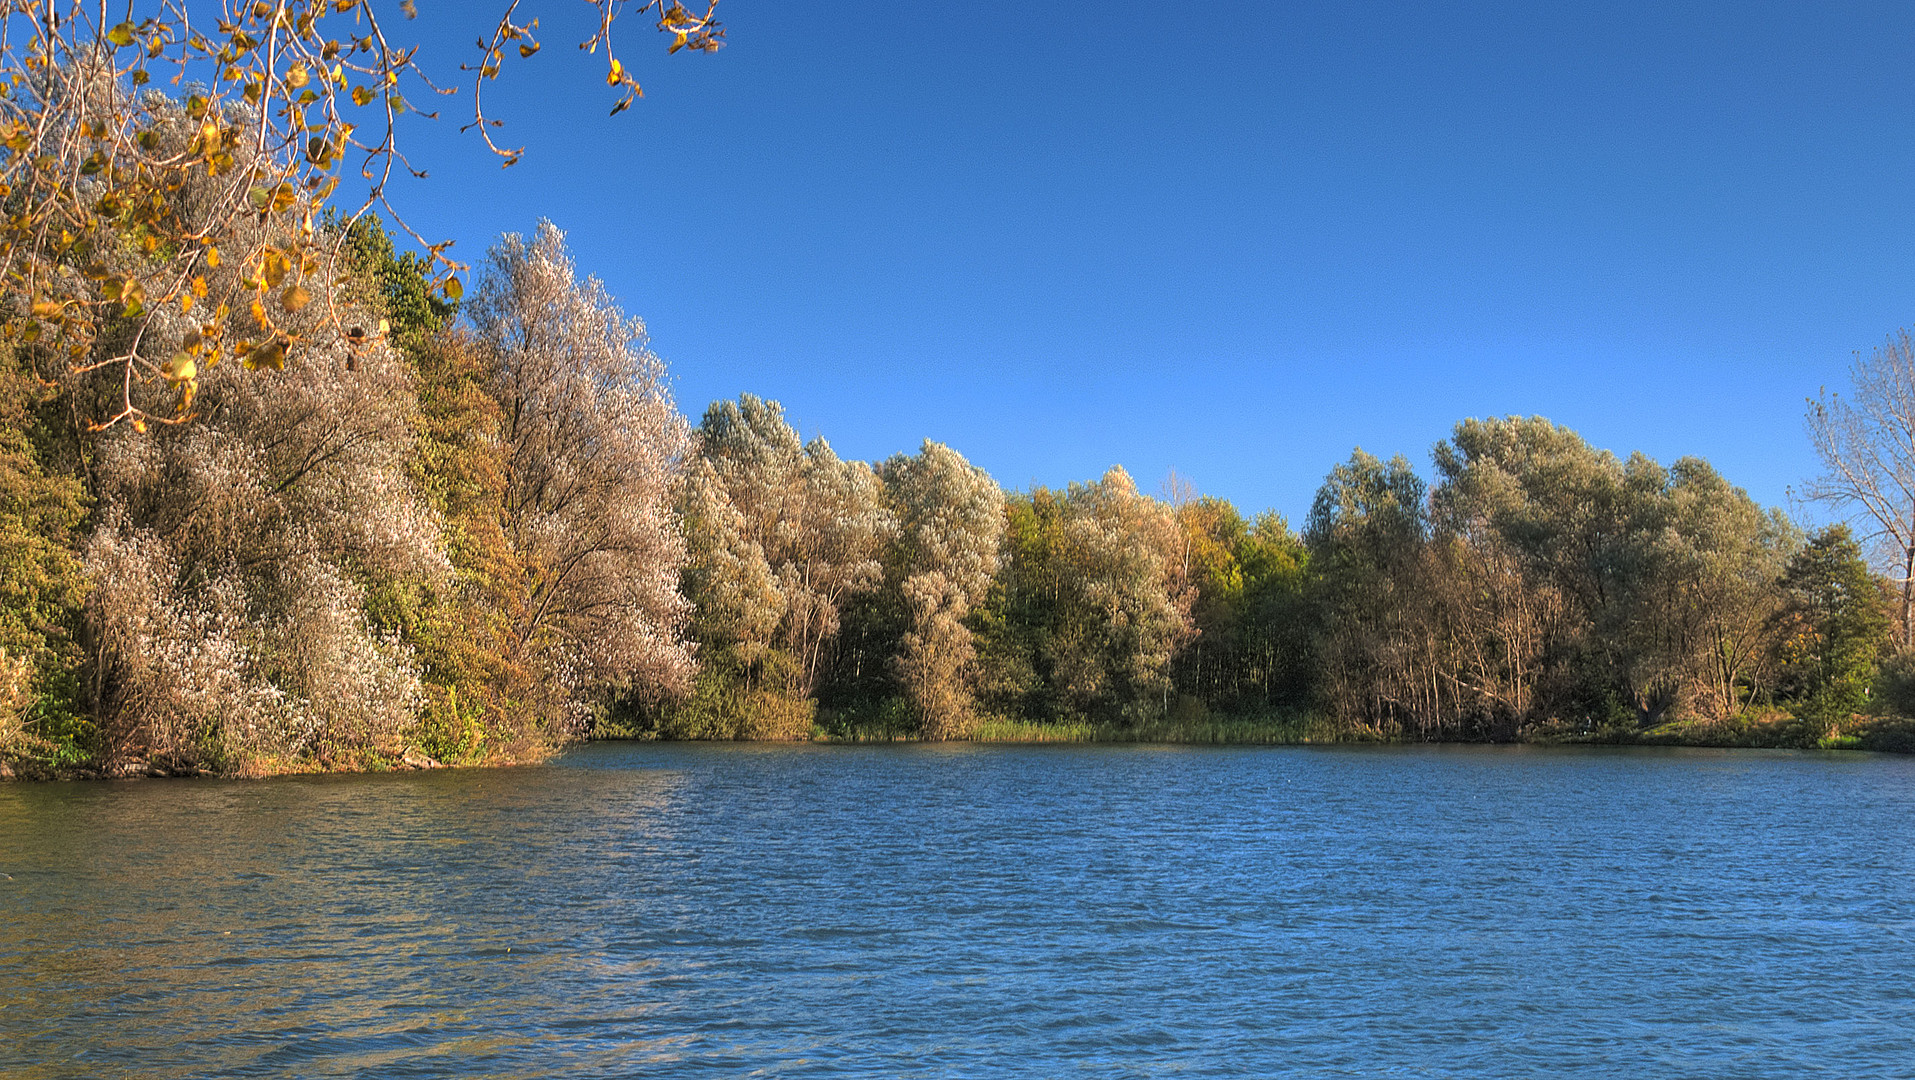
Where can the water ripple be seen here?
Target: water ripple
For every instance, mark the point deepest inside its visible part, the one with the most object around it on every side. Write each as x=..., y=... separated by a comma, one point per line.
x=960, y=911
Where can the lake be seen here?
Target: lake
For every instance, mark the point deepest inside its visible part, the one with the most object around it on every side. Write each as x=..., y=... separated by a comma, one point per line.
x=970, y=911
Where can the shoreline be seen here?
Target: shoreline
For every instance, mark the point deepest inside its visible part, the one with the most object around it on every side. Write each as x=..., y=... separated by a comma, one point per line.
x=1883, y=735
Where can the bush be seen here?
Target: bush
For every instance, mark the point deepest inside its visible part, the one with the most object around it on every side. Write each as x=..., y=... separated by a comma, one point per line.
x=1894, y=691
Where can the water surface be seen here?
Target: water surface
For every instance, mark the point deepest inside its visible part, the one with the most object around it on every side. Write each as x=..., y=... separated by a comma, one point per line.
x=685, y=911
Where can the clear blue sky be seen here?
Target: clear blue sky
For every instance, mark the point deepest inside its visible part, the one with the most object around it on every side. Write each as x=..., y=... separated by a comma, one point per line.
x=1236, y=239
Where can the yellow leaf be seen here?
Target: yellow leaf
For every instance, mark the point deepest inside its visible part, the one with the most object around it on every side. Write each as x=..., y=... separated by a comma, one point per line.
x=273, y=266
x=272, y=354
x=361, y=95
x=294, y=298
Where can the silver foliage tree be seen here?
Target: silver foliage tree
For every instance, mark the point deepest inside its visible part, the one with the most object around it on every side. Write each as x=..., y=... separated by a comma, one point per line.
x=594, y=448
x=228, y=626
x=951, y=521
x=1127, y=550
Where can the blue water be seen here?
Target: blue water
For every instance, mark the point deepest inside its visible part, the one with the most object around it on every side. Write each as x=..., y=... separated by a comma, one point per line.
x=688, y=911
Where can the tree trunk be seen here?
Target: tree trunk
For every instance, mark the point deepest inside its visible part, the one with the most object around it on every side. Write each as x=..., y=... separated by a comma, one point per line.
x=1908, y=599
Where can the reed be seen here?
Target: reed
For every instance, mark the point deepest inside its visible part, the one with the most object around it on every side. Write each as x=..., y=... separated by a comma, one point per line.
x=1280, y=728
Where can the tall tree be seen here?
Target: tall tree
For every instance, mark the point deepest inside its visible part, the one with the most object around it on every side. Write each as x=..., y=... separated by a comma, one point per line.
x=1867, y=445
x=1091, y=604
x=1251, y=618
x=1547, y=587
x=1367, y=534
x=727, y=578
x=1720, y=565
x=819, y=523
x=951, y=518
x=594, y=448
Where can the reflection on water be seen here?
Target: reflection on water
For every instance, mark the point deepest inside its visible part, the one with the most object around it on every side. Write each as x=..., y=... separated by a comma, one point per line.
x=956, y=911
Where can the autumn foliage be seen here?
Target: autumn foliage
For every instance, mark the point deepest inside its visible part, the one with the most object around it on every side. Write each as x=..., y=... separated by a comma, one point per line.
x=279, y=493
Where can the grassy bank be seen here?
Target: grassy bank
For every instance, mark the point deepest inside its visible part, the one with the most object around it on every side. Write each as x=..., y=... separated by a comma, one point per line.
x=1770, y=731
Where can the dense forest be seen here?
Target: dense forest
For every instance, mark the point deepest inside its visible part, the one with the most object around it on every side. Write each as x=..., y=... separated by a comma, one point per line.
x=473, y=532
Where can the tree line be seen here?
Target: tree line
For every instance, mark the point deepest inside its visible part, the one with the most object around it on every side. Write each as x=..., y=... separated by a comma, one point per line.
x=474, y=533
x=1536, y=587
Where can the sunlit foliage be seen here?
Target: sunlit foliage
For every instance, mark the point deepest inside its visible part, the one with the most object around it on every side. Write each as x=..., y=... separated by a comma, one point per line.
x=1256, y=630
x=592, y=447
x=261, y=108
x=231, y=559
x=782, y=534
x=42, y=507
x=950, y=516
x=1542, y=585
x=1093, y=601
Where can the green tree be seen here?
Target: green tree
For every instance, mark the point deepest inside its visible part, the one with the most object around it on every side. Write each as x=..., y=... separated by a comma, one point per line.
x=787, y=544
x=1367, y=535
x=1091, y=604
x=1549, y=530
x=1833, y=627
x=1251, y=617
x=819, y=523
x=42, y=507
